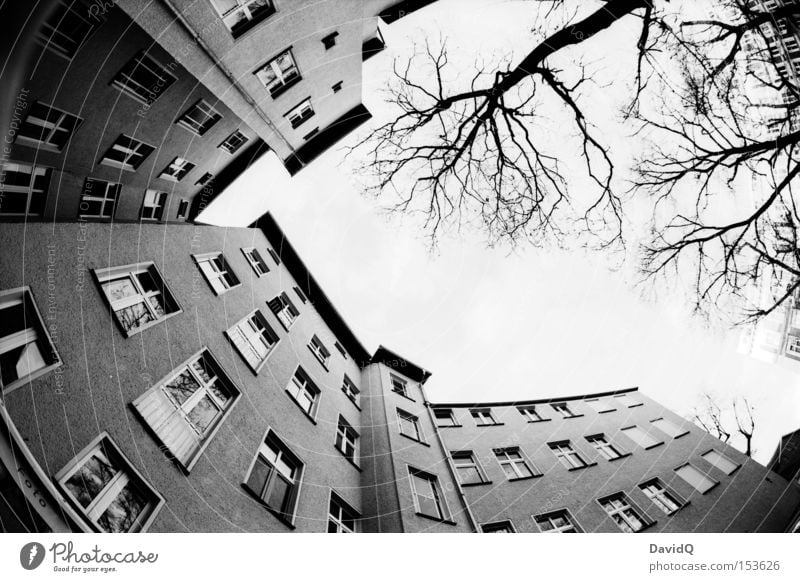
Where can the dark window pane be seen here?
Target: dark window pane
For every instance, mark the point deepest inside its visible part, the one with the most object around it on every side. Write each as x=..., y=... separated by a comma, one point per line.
x=121, y=514
x=88, y=481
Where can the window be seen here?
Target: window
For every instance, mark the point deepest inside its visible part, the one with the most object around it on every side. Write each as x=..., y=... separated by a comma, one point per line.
x=176, y=170
x=274, y=256
x=564, y=410
x=337, y=86
x=233, y=142
x=627, y=400
x=126, y=153
x=513, y=463
x=65, y=31
x=662, y=497
x=619, y=508
x=137, y=295
x=557, y=522
x=640, y=437
x=153, y=205
x=204, y=179
x=467, y=468
x=279, y=74
x=241, y=15
x=275, y=477
x=284, y=310
x=320, y=351
x=256, y=262
x=185, y=409
x=340, y=348
x=217, y=272
x=23, y=189
x=444, y=417
x=347, y=440
x=696, y=478
x=105, y=488
x=99, y=198
x=26, y=351
x=341, y=517
x=304, y=299
x=409, y=425
x=144, y=78
x=47, y=127
x=350, y=390
x=530, y=413
x=399, y=385
x=183, y=208
x=568, y=456
x=605, y=448
x=720, y=461
x=483, y=416
x=600, y=405
x=300, y=113
x=428, y=500
x=498, y=527
x=311, y=134
x=200, y=117
x=329, y=40
x=669, y=427
x=254, y=339
x=304, y=392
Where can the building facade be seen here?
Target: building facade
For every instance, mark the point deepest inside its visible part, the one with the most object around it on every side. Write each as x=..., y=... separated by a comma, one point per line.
x=140, y=110
x=196, y=378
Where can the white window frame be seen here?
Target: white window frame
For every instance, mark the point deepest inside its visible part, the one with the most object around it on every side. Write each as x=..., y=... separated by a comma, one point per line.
x=548, y=517
x=183, y=208
x=154, y=204
x=347, y=435
x=33, y=170
x=481, y=415
x=618, y=505
x=669, y=428
x=402, y=415
x=351, y=391
x=216, y=275
x=257, y=263
x=531, y=413
x=600, y=405
x=640, y=437
x=505, y=459
x=246, y=335
x=399, y=385
x=129, y=153
x=300, y=113
x=564, y=410
x=468, y=460
x=243, y=9
x=126, y=473
x=568, y=455
x=319, y=350
x=301, y=384
x=720, y=461
x=287, y=314
x=35, y=333
x=233, y=142
x=110, y=195
x=436, y=492
x=606, y=448
x=177, y=170
x=662, y=496
x=52, y=127
x=128, y=85
x=711, y=483
x=283, y=80
x=505, y=526
x=201, y=108
x=450, y=415
x=48, y=32
x=337, y=518
x=110, y=274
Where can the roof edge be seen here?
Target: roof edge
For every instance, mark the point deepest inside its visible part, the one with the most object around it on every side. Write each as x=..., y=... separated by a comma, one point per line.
x=537, y=401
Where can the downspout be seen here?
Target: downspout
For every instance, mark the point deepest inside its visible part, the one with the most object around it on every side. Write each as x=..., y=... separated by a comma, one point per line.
x=450, y=466
x=225, y=71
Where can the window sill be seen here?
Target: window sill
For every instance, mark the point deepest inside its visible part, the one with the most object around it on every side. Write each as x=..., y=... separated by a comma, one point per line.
x=635, y=405
x=622, y=456
x=280, y=516
x=714, y=486
x=476, y=484
x=354, y=403
x=349, y=460
x=39, y=145
x=525, y=478
x=403, y=395
x=540, y=420
x=413, y=439
x=303, y=410
x=117, y=165
x=572, y=416
x=647, y=448
x=493, y=424
x=584, y=467
x=606, y=411
x=316, y=357
x=439, y=519
x=683, y=434
x=449, y=425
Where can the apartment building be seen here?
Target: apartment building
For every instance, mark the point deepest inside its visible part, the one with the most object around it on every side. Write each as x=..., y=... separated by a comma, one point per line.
x=197, y=378
x=142, y=110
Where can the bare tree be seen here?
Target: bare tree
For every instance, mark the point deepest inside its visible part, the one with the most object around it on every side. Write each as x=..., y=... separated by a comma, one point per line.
x=734, y=420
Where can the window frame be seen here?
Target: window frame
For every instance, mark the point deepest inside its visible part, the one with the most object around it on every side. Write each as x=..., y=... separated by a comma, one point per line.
x=607, y=444
x=602, y=405
x=183, y=208
x=310, y=388
x=712, y=482
x=286, y=307
x=337, y=521
x=250, y=21
x=127, y=474
x=300, y=113
x=348, y=387
x=104, y=200
x=219, y=275
x=292, y=77
x=130, y=153
x=630, y=505
x=182, y=168
x=46, y=145
x=107, y=274
x=8, y=297
x=564, y=514
x=46, y=40
x=473, y=463
x=503, y=526
x=414, y=419
x=436, y=490
x=266, y=334
x=346, y=434
x=564, y=410
x=321, y=353
x=564, y=457
x=157, y=210
x=480, y=415
x=679, y=431
x=626, y=431
x=206, y=109
x=254, y=258
x=513, y=463
x=224, y=409
x=288, y=514
x=734, y=465
x=531, y=413
x=450, y=414
x=119, y=83
x=236, y=136
x=665, y=492
x=29, y=190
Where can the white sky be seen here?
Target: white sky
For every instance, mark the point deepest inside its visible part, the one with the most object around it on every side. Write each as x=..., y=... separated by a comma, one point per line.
x=491, y=324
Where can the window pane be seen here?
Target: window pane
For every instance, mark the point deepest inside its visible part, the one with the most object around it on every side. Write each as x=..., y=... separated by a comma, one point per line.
x=182, y=387
x=278, y=495
x=90, y=479
x=203, y=414
x=121, y=514
x=258, y=476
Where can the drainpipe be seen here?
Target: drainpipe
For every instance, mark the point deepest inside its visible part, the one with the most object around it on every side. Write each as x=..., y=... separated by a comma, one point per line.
x=450, y=466
x=225, y=71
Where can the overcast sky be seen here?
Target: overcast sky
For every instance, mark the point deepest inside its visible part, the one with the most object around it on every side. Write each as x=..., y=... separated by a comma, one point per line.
x=492, y=324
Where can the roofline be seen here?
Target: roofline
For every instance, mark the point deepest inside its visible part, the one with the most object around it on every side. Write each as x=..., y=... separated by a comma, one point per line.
x=537, y=401
x=302, y=276
x=384, y=355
